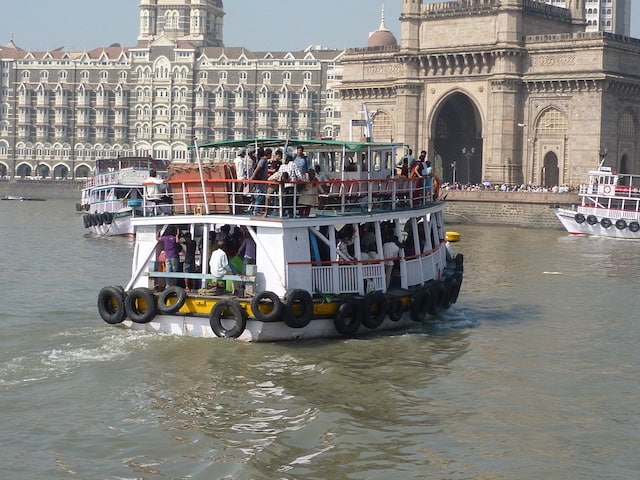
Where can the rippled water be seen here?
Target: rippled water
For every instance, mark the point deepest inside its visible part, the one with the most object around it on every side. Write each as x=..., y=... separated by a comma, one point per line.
x=532, y=374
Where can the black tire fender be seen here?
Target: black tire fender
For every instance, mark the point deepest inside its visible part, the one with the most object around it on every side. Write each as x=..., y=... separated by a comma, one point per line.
x=605, y=222
x=111, y=305
x=108, y=218
x=140, y=305
x=220, y=313
x=86, y=221
x=395, y=308
x=592, y=220
x=580, y=218
x=420, y=302
x=438, y=292
x=634, y=227
x=348, y=317
x=294, y=300
x=374, y=309
x=165, y=304
x=269, y=298
x=621, y=224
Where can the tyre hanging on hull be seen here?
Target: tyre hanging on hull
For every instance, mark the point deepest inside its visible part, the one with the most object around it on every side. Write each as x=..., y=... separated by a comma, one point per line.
x=227, y=319
x=374, y=309
x=348, y=317
x=111, y=305
x=580, y=218
x=299, y=308
x=267, y=298
x=171, y=300
x=140, y=305
x=592, y=220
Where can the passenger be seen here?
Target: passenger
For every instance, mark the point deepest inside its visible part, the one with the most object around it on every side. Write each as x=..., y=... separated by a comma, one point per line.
x=171, y=249
x=189, y=265
x=403, y=171
x=243, y=164
x=390, y=250
x=276, y=162
x=309, y=198
x=219, y=264
x=301, y=160
x=274, y=189
x=428, y=181
x=155, y=191
x=291, y=190
x=345, y=240
x=261, y=173
x=323, y=178
x=247, y=250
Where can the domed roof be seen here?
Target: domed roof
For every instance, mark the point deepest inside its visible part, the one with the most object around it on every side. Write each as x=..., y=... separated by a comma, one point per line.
x=382, y=37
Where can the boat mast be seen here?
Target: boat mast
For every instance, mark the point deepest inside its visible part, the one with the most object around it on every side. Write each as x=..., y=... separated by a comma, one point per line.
x=204, y=192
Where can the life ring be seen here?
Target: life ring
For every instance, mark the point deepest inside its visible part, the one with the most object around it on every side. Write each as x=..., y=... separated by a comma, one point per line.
x=220, y=315
x=267, y=297
x=299, y=308
x=606, y=189
x=621, y=224
x=374, y=309
x=634, y=227
x=140, y=305
x=420, y=301
x=395, y=308
x=438, y=292
x=86, y=221
x=605, y=222
x=171, y=300
x=108, y=217
x=348, y=317
x=111, y=305
x=592, y=220
x=580, y=218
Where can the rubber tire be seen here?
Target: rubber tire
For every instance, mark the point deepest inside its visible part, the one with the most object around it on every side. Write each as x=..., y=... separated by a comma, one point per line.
x=176, y=292
x=302, y=297
x=275, y=314
x=605, y=222
x=134, y=312
x=621, y=224
x=592, y=220
x=420, y=304
x=634, y=227
x=216, y=318
x=108, y=218
x=438, y=292
x=374, y=309
x=395, y=308
x=456, y=290
x=348, y=317
x=86, y=221
x=111, y=305
x=580, y=218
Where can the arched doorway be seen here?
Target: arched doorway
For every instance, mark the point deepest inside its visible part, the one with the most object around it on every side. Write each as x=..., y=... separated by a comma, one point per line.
x=23, y=170
x=550, y=171
x=457, y=135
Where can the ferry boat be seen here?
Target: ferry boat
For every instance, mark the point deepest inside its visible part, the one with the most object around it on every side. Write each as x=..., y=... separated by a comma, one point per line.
x=609, y=207
x=115, y=194
x=370, y=255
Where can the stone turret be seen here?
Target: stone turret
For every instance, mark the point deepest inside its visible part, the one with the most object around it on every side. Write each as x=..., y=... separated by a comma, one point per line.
x=410, y=23
x=577, y=10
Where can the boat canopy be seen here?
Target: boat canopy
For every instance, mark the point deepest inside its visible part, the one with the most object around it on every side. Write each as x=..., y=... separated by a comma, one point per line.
x=307, y=144
x=138, y=163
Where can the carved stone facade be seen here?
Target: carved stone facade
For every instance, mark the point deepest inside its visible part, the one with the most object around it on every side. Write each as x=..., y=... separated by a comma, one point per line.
x=505, y=91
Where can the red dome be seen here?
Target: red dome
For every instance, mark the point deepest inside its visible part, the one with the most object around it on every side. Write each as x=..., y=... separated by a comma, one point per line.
x=382, y=38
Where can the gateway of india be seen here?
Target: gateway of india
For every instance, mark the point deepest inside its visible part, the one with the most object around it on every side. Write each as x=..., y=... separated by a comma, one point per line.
x=505, y=91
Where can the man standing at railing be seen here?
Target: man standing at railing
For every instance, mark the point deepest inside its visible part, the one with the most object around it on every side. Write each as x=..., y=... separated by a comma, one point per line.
x=261, y=173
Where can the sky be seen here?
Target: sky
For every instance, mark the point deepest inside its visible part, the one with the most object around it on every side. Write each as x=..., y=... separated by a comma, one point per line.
x=257, y=25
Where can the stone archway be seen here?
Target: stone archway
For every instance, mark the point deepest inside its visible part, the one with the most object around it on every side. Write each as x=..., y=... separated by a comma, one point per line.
x=550, y=171
x=457, y=139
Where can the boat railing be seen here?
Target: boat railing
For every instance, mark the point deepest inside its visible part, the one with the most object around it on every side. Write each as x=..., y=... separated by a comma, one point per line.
x=361, y=276
x=291, y=199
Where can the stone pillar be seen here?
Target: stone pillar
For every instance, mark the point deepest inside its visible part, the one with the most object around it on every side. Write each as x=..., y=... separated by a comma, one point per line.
x=409, y=116
x=410, y=24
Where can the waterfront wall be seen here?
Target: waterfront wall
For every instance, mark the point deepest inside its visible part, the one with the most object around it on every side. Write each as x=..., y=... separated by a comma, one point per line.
x=518, y=209
x=47, y=189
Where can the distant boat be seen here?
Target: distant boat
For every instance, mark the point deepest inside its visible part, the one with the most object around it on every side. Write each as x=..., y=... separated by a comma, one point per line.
x=114, y=195
x=609, y=207
x=23, y=199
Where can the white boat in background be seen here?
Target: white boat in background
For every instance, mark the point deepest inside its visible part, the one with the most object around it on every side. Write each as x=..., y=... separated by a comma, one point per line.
x=609, y=207
x=115, y=193
x=304, y=284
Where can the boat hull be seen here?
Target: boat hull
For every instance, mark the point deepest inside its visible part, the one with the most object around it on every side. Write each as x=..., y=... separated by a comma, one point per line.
x=257, y=331
x=576, y=225
x=119, y=224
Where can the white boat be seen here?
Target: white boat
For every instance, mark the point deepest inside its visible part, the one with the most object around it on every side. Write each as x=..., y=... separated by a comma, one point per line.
x=302, y=284
x=115, y=194
x=609, y=206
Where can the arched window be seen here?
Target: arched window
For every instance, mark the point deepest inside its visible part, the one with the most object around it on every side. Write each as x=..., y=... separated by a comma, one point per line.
x=552, y=122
